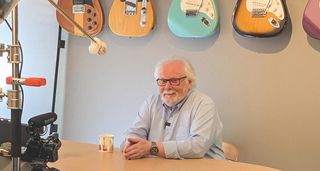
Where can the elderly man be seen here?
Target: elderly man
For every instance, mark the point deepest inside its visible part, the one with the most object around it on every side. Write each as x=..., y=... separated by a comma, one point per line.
x=179, y=122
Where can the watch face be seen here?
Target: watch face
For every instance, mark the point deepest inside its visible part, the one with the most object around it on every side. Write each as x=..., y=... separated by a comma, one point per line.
x=154, y=149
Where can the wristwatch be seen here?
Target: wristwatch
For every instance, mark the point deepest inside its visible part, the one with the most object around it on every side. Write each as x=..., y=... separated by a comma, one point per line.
x=154, y=148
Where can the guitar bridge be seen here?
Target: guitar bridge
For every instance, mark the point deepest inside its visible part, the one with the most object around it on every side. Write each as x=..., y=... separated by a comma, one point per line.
x=260, y=8
x=258, y=12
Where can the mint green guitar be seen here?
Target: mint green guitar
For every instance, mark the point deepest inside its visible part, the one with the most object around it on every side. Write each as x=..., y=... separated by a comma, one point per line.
x=193, y=18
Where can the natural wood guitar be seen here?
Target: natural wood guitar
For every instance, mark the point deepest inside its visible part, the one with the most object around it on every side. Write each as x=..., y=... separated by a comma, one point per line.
x=87, y=13
x=131, y=18
x=259, y=18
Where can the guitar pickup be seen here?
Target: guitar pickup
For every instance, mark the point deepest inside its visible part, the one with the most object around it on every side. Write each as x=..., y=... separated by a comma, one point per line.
x=191, y=13
x=78, y=9
x=130, y=8
x=81, y=2
x=128, y=12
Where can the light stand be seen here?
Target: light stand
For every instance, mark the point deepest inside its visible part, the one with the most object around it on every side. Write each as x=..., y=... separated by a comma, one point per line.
x=14, y=95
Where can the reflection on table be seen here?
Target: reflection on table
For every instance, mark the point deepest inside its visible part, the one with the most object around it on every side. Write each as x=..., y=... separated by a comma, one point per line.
x=86, y=157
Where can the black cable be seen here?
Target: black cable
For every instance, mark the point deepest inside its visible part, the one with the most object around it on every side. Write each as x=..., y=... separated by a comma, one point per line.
x=60, y=44
x=56, y=70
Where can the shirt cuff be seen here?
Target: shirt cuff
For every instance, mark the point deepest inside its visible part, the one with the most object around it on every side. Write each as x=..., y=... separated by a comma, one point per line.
x=171, y=150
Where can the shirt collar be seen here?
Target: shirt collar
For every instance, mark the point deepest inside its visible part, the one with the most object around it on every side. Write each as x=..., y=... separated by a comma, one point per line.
x=178, y=105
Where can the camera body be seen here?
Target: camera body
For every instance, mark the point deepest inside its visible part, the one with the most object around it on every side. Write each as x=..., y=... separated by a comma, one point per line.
x=41, y=150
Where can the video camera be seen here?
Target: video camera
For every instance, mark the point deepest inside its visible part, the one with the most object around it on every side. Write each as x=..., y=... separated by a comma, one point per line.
x=39, y=151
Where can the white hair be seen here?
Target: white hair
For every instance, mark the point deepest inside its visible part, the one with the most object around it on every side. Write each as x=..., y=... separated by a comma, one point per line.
x=190, y=73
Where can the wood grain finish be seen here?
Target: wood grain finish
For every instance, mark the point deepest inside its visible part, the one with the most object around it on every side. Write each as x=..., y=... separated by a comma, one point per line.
x=129, y=25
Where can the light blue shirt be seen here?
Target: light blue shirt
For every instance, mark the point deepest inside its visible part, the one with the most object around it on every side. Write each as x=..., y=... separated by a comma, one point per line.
x=193, y=128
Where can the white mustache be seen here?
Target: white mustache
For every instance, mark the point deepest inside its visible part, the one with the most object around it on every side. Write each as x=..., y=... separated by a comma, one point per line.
x=169, y=93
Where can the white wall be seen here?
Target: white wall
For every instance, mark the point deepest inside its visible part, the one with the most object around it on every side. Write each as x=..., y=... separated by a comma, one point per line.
x=267, y=90
x=38, y=31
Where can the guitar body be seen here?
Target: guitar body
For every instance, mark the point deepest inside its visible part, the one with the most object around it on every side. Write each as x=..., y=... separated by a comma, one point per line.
x=202, y=24
x=87, y=13
x=311, y=19
x=127, y=23
x=259, y=18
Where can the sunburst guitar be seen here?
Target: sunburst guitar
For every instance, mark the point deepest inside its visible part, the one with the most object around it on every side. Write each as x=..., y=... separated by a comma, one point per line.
x=87, y=13
x=259, y=18
x=131, y=18
x=311, y=19
x=193, y=18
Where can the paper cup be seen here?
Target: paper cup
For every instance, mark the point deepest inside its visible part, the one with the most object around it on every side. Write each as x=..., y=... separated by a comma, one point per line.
x=106, y=143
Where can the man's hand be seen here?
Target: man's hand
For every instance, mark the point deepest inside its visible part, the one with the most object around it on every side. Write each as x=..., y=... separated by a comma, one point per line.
x=136, y=148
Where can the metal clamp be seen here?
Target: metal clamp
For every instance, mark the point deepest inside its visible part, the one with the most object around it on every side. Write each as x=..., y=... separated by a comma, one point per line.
x=14, y=55
x=14, y=99
x=1, y=94
x=3, y=49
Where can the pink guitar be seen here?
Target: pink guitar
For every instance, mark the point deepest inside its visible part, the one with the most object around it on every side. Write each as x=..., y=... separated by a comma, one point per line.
x=311, y=19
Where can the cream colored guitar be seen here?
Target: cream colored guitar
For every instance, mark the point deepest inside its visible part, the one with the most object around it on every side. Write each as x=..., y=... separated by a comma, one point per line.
x=131, y=18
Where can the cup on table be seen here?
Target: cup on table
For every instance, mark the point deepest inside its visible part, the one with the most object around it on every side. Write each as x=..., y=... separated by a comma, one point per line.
x=106, y=143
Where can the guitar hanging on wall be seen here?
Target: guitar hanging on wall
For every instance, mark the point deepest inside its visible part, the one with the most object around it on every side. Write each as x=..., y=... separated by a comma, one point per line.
x=193, y=18
x=311, y=19
x=259, y=18
x=131, y=18
x=87, y=13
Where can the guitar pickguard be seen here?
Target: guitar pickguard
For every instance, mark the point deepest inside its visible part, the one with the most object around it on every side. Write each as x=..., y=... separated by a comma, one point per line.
x=86, y=16
x=206, y=7
x=272, y=6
